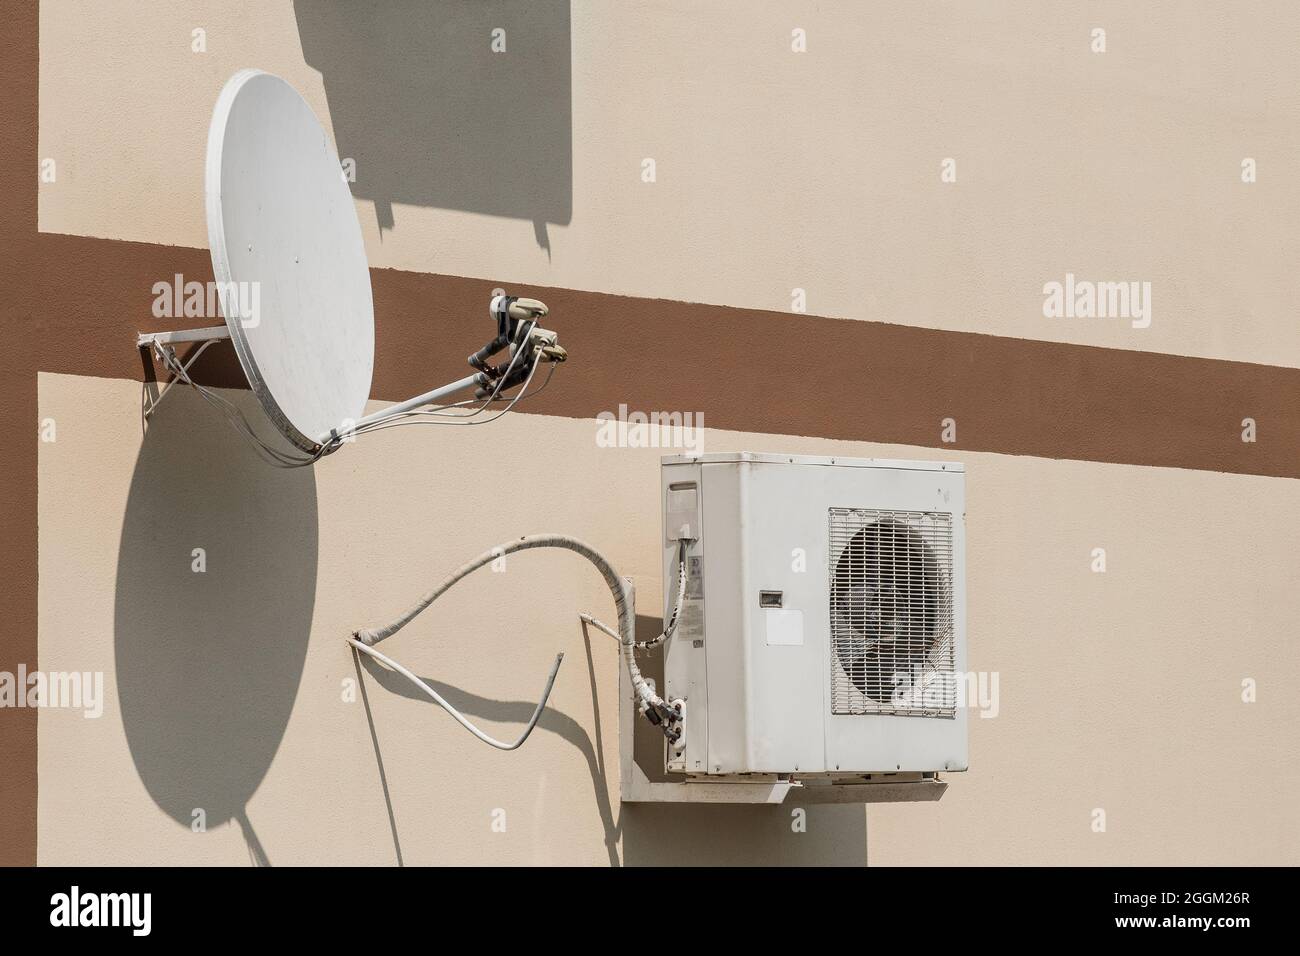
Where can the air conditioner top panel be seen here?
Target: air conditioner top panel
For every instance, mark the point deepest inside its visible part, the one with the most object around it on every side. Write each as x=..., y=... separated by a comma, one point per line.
x=751, y=456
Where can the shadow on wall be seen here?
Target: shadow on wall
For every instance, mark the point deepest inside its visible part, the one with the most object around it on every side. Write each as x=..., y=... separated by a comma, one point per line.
x=208, y=662
x=654, y=834
x=434, y=116
x=683, y=834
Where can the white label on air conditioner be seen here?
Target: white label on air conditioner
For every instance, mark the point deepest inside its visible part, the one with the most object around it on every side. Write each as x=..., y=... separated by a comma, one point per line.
x=691, y=624
x=784, y=625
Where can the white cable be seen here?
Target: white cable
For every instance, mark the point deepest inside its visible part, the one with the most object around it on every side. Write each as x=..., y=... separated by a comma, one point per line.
x=672, y=618
x=599, y=625
x=282, y=459
x=441, y=702
x=388, y=421
x=617, y=587
x=446, y=411
x=396, y=420
x=236, y=417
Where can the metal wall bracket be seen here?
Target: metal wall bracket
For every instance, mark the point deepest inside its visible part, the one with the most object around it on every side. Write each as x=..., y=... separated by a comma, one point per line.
x=164, y=344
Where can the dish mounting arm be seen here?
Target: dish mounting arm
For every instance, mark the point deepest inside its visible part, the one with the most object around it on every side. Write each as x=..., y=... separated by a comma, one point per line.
x=517, y=331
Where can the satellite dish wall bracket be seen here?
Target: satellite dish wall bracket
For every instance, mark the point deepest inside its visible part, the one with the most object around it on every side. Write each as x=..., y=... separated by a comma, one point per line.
x=164, y=343
x=517, y=330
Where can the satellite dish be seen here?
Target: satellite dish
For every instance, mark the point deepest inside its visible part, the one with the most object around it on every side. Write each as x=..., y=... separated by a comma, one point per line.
x=291, y=274
x=290, y=269
x=289, y=260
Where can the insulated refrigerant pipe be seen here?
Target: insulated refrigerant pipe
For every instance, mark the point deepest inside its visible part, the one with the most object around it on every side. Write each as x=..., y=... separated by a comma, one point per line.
x=366, y=638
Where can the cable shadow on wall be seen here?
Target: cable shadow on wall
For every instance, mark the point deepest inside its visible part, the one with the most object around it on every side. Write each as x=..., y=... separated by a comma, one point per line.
x=216, y=584
x=452, y=105
x=657, y=834
x=516, y=712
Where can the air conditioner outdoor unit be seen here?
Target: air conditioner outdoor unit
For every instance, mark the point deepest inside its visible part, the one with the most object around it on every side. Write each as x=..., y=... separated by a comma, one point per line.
x=823, y=631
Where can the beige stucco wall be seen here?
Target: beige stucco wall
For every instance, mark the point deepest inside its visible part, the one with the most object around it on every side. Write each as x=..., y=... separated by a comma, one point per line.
x=775, y=170
x=1119, y=691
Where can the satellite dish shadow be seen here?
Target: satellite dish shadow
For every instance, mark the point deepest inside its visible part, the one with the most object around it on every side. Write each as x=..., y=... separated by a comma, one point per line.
x=434, y=113
x=210, y=644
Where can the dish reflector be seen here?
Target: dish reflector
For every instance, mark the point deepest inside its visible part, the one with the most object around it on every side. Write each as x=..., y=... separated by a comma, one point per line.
x=288, y=258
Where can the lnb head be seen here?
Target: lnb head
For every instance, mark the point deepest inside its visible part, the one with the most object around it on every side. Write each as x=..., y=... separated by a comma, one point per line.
x=526, y=310
x=520, y=310
x=529, y=343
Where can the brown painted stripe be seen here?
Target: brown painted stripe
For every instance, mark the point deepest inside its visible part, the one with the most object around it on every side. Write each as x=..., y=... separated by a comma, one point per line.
x=18, y=355
x=751, y=370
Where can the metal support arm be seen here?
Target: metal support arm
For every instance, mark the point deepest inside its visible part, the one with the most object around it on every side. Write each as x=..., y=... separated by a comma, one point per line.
x=164, y=343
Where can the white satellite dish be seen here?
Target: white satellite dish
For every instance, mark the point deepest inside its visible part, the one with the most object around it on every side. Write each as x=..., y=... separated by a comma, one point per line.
x=288, y=258
x=291, y=273
x=290, y=267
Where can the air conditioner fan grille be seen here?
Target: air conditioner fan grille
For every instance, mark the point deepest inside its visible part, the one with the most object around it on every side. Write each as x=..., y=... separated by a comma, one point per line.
x=892, y=636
